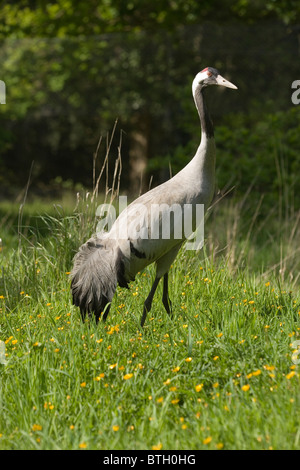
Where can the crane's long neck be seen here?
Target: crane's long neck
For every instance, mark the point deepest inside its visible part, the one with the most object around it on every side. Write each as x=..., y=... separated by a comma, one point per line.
x=202, y=166
x=205, y=120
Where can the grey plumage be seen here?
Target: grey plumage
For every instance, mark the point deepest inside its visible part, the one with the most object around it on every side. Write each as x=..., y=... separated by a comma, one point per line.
x=110, y=259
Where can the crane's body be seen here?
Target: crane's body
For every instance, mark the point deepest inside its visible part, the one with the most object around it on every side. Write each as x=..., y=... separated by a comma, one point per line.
x=115, y=257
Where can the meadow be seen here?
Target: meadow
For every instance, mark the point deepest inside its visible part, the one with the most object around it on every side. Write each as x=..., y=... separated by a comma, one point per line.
x=222, y=374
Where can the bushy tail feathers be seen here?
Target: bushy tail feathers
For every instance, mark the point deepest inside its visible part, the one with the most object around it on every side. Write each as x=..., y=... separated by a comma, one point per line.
x=95, y=276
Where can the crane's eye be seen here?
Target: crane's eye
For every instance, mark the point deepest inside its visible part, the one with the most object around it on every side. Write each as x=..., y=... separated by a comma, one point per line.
x=209, y=74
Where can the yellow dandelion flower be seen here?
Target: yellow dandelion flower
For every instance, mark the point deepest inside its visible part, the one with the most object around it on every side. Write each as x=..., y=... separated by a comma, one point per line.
x=83, y=384
x=245, y=388
x=127, y=376
x=290, y=374
x=160, y=400
x=256, y=372
x=216, y=357
x=198, y=387
x=37, y=427
x=175, y=401
x=207, y=440
x=267, y=367
x=157, y=446
x=219, y=335
x=220, y=445
x=115, y=428
x=82, y=445
x=112, y=366
x=176, y=369
x=188, y=359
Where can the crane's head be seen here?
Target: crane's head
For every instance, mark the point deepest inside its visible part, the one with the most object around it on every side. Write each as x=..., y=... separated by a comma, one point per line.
x=210, y=76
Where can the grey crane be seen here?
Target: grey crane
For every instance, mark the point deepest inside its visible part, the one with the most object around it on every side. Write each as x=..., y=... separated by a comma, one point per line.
x=115, y=257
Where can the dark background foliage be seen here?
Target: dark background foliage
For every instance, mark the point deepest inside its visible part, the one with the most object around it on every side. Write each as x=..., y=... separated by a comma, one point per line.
x=72, y=68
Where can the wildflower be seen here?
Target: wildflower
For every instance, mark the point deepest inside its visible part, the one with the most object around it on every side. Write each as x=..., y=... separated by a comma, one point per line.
x=112, y=366
x=267, y=284
x=188, y=359
x=220, y=445
x=216, y=357
x=176, y=369
x=160, y=400
x=82, y=445
x=290, y=374
x=207, y=440
x=175, y=401
x=215, y=385
x=37, y=427
x=127, y=376
x=116, y=428
x=157, y=446
x=245, y=388
x=83, y=384
x=256, y=372
x=199, y=387
x=100, y=376
x=267, y=367
x=219, y=335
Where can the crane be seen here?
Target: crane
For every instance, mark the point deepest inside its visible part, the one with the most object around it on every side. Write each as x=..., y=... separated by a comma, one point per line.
x=114, y=258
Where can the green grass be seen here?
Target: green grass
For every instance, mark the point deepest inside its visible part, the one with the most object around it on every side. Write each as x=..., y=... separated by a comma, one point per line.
x=219, y=375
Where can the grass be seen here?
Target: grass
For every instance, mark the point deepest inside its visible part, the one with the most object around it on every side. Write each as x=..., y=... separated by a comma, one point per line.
x=220, y=375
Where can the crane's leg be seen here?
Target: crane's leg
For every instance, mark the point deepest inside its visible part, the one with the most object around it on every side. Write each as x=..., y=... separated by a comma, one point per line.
x=148, y=301
x=165, y=298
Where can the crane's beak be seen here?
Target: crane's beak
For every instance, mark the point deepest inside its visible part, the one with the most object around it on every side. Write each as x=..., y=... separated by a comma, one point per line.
x=223, y=82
